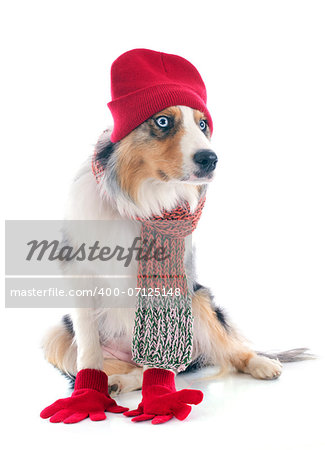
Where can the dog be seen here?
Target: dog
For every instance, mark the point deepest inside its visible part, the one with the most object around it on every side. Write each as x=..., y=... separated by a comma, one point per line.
x=166, y=160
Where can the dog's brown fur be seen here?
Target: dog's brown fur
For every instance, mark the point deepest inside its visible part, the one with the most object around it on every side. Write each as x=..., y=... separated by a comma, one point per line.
x=146, y=154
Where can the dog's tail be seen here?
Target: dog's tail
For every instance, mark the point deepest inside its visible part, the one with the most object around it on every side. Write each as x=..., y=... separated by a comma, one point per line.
x=287, y=356
x=60, y=348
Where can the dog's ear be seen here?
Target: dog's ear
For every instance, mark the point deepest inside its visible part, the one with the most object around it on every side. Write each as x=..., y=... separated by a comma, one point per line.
x=104, y=149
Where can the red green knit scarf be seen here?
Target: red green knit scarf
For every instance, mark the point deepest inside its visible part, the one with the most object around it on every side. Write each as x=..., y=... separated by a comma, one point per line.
x=163, y=335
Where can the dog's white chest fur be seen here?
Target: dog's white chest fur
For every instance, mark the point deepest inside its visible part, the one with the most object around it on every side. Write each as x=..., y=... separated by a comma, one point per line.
x=100, y=221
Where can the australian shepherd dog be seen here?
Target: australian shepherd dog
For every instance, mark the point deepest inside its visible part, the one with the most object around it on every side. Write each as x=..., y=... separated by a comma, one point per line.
x=165, y=161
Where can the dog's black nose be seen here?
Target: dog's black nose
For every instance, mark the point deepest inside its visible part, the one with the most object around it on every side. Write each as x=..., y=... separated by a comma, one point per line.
x=206, y=160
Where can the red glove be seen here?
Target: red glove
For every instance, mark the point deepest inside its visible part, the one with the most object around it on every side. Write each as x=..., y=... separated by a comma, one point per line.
x=89, y=398
x=160, y=400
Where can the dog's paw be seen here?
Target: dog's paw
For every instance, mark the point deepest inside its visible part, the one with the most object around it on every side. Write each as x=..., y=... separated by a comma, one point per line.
x=264, y=368
x=121, y=383
x=114, y=385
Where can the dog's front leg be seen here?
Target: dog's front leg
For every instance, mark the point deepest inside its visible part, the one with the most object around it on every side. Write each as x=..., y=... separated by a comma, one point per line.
x=90, y=396
x=89, y=352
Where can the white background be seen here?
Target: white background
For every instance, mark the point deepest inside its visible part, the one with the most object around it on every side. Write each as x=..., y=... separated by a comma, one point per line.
x=261, y=244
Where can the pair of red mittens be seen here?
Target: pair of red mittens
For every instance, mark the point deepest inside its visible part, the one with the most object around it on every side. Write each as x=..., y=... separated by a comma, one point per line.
x=160, y=400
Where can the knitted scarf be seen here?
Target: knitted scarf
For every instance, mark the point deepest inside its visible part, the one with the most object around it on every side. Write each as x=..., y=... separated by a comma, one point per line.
x=162, y=334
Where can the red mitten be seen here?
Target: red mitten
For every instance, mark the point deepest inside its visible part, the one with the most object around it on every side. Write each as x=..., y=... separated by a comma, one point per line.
x=89, y=398
x=160, y=400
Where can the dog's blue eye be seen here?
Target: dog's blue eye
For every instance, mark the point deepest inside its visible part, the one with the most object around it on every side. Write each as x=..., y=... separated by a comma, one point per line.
x=202, y=124
x=162, y=121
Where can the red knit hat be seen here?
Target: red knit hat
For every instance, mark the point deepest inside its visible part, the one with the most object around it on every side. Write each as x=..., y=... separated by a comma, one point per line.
x=144, y=82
